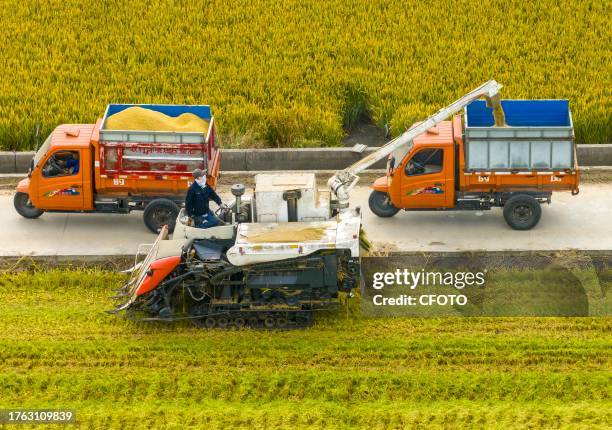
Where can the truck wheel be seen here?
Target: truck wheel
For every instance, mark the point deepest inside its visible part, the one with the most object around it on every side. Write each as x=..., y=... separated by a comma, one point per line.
x=522, y=212
x=24, y=206
x=161, y=212
x=381, y=205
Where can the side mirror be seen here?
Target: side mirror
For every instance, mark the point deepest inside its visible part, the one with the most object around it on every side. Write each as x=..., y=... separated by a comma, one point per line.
x=391, y=166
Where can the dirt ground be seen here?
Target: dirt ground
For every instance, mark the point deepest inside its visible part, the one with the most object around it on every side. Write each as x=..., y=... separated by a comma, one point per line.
x=365, y=133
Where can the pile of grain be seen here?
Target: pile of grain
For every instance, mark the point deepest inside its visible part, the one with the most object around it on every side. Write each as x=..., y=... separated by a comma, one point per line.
x=285, y=233
x=137, y=118
x=498, y=112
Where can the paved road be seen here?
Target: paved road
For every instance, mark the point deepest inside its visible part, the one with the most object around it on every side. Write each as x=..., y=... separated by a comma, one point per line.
x=580, y=222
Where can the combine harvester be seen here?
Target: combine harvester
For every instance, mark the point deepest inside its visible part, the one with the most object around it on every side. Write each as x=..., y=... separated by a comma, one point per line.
x=286, y=251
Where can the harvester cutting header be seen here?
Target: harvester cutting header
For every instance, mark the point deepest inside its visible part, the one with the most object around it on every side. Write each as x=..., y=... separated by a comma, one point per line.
x=289, y=248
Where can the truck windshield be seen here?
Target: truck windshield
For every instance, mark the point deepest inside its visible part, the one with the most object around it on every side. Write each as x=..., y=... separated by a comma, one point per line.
x=402, y=151
x=42, y=150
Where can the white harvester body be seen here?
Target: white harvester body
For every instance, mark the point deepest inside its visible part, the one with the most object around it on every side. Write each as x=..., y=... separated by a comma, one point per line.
x=293, y=218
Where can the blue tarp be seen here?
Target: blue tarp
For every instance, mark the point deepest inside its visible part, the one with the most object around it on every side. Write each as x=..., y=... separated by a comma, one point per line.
x=521, y=113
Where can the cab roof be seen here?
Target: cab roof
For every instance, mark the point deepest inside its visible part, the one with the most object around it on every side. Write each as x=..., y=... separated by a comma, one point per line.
x=72, y=136
x=440, y=134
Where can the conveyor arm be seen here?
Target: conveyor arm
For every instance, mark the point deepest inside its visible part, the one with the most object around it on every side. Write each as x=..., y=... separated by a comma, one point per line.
x=344, y=180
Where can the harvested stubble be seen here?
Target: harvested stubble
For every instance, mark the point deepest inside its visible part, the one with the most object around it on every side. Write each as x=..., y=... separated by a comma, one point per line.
x=58, y=349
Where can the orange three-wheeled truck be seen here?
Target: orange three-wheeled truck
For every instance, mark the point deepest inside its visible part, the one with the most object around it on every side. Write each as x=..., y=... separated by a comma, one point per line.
x=95, y=168
x=514, y=158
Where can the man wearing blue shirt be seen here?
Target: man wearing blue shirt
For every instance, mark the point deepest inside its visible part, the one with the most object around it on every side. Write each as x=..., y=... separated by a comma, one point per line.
x=73, y=166
x=197, y=202
x=63, y=166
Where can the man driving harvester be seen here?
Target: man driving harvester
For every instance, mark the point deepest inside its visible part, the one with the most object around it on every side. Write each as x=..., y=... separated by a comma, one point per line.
x=197, y=202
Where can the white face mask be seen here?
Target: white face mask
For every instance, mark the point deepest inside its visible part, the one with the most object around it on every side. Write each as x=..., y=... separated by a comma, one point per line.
x=201, y=181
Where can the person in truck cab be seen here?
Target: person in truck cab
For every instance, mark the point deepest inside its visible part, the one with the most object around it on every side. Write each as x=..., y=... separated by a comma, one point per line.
x=61, y=165
x=197, y=202
x=72, y=165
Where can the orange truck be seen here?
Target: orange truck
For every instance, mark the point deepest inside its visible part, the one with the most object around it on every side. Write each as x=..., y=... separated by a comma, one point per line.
x=90, y=168
x=472, y=163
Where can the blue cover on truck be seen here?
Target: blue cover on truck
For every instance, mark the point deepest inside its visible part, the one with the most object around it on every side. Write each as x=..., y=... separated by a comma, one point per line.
x=522, y=113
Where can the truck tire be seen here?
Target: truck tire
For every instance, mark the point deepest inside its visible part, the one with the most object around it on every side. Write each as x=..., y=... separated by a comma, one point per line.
x=522, y=212
x=381, y=205
x=160, y=212
x=24, y=206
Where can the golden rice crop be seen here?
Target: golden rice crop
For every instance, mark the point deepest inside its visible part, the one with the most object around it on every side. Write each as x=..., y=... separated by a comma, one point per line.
x=295, y=73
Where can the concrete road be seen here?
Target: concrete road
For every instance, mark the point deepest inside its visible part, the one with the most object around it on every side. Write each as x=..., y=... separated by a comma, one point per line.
x=581, y=222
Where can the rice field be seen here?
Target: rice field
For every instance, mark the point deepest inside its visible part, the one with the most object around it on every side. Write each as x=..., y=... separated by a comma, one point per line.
x=58, y=349
x=288, y=73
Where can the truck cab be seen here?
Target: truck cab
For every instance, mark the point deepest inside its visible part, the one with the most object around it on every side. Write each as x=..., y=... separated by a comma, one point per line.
x=426, y=173
x=60, y=177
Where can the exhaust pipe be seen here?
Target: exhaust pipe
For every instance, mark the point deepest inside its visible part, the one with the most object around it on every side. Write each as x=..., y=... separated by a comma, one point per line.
x=291, y=197
x=237, y=192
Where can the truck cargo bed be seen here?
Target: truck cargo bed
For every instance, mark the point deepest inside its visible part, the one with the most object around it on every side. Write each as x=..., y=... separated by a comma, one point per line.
x=538, y=137
x=156, y=136
x=154, y=161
